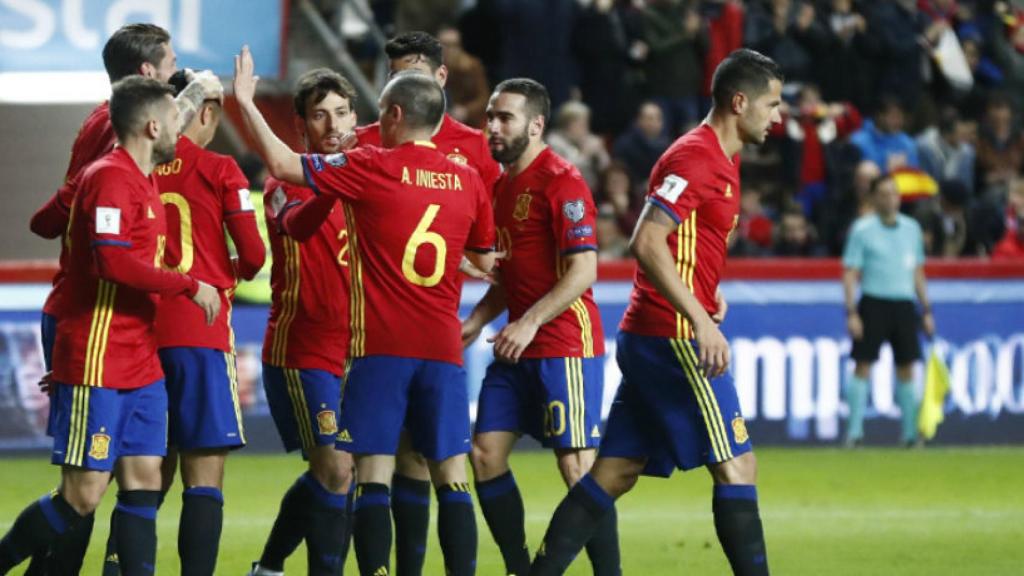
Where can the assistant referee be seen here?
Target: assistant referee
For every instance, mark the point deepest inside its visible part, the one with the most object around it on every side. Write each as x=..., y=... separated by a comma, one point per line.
x=885, y=253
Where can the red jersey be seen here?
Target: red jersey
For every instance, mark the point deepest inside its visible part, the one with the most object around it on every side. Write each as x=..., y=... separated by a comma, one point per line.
x=95, y=138
x=203, y=193
x=460, y=143
x=106, y=335
x=542, y=214
x=699, y=187
x=411, y=213
x=309, y=312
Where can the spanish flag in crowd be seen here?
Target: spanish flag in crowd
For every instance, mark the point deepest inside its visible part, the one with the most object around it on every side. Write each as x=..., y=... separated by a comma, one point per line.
x=914, y=184
x=936, y=386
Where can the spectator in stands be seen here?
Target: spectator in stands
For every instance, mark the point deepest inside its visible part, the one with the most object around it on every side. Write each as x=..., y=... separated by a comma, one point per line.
x=1000, y=148
x=641, y=146
x=987, y=75
x=676, y=38
x=724, y=21
x=898, y=36
x=946, y=152
x=426, y=15
x=572, y=139
x=796, y=235
x=808, y=128
x=753, y=235
x=1007, y=48
x=601, y=44
x=466, y=86
x=781, y=30
x=612, y=244
x=617, y=191
x=1012, y=243
x=944, y=223
x=840, y=66
x=883, y=141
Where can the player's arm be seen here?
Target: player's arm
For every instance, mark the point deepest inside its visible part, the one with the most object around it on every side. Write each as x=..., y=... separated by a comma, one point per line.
x=479, y=249
x=281, y=161
x=580, y=274
x=486, y=310
x=51, y=220
x=853, y=262
x=649, y=245
x=921, y=288
x=240, y=220
x=301, y=219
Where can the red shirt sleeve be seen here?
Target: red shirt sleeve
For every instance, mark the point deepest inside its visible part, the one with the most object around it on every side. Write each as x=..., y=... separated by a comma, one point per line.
x=671, y=191
x=573, y=213
x=342, y=175
x=301, y=220
x=481, y=235
x=240, y=220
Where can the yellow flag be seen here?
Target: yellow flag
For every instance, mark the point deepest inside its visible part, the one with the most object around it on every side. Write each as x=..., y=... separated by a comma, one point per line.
x=936, y=386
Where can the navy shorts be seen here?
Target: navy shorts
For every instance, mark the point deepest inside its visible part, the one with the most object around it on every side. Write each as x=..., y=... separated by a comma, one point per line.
x=48, y=332
x=304, y=404
x=555, y=400
x=96, y=426
x=384, y=393
x=667, y=411
x=202, y=398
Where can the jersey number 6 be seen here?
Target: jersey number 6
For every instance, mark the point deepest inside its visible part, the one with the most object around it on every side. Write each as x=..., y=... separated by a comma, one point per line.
x=420, y=236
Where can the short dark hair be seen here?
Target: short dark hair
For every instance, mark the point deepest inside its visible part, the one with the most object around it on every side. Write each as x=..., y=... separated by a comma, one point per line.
x=743, y=70
x=317, y=84
x=416, y=43
x=419, y=96
x=131, y=101
x=877, y=182
x=538, y=103
x=131, y=46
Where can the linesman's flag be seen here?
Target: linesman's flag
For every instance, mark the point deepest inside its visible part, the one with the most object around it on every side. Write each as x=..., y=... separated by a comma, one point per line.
x=936, y=386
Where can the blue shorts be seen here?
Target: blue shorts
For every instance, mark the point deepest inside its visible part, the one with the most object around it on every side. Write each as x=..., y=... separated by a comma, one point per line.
x=48, y=332
x=555, y=400
x=428, y=397
x=202, y=398
x=668, y=412
x=304, y=404
x=96, y=426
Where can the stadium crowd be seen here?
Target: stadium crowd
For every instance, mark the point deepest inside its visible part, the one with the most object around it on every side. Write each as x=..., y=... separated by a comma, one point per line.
x=928, y=90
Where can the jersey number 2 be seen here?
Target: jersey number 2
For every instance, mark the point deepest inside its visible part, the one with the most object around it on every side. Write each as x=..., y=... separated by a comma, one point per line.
x=420, y=236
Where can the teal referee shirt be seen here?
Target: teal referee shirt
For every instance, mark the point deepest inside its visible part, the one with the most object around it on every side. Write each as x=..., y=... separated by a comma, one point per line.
x=886, y=256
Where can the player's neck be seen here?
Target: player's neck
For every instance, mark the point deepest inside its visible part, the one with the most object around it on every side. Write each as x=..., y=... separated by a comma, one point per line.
x=727, y=133
x=526, y=158
x=141, y=151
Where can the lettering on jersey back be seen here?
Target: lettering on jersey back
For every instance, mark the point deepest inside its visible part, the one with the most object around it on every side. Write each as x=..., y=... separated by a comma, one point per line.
x=433, y=180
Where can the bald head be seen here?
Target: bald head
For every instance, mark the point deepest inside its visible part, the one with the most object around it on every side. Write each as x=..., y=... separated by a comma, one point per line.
x=419, y=97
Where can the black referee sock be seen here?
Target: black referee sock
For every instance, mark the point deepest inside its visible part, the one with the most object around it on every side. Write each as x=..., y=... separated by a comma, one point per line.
x=328, y=531
x=373, y=529
x=575, y=521
x=37, y=528
x=66, y=554
x=603, y=547
x=136, y=531
x=410, y=507
x=199, y=529
x=502, y=506
x=289, y=526
x=738, y=525
x=456, y=528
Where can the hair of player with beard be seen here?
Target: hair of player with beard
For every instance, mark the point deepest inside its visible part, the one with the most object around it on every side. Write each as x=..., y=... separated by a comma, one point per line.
x=537, y=102
x=134, y=102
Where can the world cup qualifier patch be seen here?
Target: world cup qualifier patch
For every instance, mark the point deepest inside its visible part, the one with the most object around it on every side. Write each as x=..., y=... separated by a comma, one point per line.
x=573, y=210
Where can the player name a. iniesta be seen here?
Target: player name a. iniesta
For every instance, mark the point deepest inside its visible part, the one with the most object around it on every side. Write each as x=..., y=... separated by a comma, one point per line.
x=433, y=180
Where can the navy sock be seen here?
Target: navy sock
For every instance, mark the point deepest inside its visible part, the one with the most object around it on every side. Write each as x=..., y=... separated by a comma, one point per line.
x=111, y=564
x=502, y=506
x=199, y=529
x=372, y=535
x=456, y=528
x=66, y=554
x=136, y=531
x=328, y=530
x=350, y=519
x=603, y=546
x=410, y=507
x=37, y=528
x=289, y=526
x=575, y=521
x=738, y=525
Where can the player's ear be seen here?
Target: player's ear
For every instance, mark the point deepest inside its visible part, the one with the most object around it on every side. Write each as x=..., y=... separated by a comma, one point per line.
x=536, y=127
x=147, y=70
x=441, y=75
x=739, y=102
x=152, y=129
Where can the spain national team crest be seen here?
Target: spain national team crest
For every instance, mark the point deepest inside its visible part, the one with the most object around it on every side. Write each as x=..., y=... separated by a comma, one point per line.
x=522, y=210
x=739, y=430
x=99, y=448
x=327, y=423
x=573, y=210
x=458, y=158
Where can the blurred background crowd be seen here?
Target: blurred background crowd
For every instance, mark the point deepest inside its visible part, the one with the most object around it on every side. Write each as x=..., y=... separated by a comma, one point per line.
x=929, y=91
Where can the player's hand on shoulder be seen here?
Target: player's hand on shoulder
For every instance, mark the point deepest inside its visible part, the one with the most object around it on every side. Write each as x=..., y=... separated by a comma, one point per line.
x=513, y=339
x=245, y=81
x=855, y=326
x=713, y=348
x=208, y=298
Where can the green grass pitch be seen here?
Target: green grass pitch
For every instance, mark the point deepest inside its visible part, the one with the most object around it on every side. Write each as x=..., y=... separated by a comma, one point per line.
x=872, y=511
